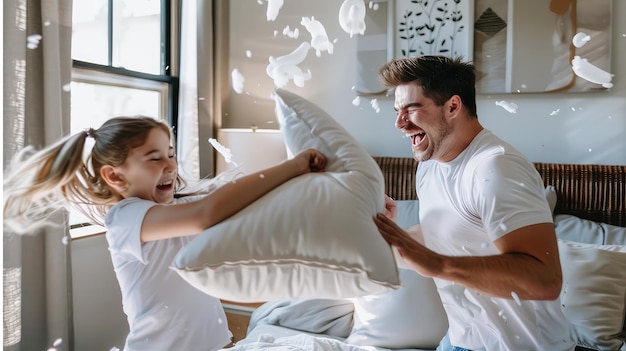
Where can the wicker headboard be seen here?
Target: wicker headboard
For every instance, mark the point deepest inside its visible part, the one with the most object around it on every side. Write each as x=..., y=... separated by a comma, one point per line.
x=595, y=192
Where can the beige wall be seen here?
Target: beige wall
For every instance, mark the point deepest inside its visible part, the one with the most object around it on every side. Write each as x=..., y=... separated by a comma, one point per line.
x=589, y=127
x=99, y=321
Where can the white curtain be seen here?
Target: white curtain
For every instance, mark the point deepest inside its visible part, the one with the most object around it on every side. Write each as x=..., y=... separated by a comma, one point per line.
x=36, y=66
x=199, y=98
x=188, y=155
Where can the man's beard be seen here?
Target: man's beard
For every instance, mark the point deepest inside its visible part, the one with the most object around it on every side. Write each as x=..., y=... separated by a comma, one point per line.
x=435, y=141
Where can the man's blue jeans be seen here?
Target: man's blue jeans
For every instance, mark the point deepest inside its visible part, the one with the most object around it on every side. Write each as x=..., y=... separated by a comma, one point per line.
x=444, y=345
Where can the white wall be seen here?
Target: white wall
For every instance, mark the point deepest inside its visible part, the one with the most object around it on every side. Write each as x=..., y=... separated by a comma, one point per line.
x=589, y=127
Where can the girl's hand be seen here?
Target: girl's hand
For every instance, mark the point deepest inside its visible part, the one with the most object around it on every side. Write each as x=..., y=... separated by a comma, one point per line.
x=310, y=160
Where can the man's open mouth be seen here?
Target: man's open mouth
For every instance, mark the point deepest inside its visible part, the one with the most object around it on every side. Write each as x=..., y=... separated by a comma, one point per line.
x=417, y=138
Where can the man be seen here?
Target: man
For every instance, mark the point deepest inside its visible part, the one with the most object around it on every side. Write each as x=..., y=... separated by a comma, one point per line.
x=488, y=237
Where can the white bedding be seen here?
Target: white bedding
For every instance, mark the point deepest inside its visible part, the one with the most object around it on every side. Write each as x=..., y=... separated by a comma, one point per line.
x=273, y=337
x=303, y=325
x=325, y=324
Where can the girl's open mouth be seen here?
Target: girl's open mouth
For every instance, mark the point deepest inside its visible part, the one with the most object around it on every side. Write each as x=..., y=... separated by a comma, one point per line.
x=165, y=186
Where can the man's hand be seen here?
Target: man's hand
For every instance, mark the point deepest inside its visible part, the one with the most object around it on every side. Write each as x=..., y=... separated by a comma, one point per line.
x=391, y=208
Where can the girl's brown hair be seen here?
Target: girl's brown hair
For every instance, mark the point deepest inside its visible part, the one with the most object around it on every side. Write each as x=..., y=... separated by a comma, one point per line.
x=38, y=183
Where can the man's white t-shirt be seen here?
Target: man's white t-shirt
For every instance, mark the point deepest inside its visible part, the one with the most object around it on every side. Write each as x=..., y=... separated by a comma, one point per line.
x=487, y=191
x=164, y=311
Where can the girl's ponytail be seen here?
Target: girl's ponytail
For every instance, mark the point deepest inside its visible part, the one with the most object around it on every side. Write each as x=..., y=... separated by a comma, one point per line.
x=35, y=183
x=62, y=174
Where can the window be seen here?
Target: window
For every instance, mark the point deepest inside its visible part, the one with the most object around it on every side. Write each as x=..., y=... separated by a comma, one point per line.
x=122, y=65
x=128, y=34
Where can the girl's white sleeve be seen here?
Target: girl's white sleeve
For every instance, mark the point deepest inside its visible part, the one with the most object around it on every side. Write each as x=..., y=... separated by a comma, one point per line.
x=123, y=224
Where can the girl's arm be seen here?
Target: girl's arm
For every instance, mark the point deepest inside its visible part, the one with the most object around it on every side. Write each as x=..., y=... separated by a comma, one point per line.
x=167, y=221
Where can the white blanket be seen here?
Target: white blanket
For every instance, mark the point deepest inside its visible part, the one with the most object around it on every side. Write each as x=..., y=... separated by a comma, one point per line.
x=299, y=342
x=319, y=316
x=302, y=325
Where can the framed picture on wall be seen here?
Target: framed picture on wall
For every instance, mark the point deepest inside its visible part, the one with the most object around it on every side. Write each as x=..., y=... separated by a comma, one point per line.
x=404, y=28
x=434, y=27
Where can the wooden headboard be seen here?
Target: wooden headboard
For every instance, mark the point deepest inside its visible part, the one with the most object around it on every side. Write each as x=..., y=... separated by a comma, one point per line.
x=594, y=192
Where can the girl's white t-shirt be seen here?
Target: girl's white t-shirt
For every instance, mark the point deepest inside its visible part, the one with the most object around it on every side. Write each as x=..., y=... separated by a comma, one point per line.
x=489, y=190
x=164, y=311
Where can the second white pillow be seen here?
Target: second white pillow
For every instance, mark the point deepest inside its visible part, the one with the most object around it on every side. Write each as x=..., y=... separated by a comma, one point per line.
x=410, y=317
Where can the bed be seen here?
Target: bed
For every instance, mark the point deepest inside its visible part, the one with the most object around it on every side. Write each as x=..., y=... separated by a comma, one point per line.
x=589, y=203
x=329, y=289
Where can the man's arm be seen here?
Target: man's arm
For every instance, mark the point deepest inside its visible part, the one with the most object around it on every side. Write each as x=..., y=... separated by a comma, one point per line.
x=528, y=266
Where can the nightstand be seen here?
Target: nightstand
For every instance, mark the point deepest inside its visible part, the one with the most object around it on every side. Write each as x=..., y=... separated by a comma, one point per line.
x=238, y=316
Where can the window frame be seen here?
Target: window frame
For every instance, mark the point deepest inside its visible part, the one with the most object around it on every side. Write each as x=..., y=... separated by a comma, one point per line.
x=169, y=35
x=166, y=83
x=107, y=78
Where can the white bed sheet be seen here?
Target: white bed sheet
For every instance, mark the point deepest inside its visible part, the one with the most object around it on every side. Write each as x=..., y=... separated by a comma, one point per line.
x=274, y=338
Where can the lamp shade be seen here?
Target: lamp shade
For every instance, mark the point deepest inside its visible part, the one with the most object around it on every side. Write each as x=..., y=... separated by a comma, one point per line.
x=251, y=149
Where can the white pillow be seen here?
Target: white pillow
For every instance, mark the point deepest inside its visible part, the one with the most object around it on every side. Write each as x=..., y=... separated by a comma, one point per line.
x=550, y=193
x=410, y=317
x=582, y=230
x=593, y=293
x=312, y=237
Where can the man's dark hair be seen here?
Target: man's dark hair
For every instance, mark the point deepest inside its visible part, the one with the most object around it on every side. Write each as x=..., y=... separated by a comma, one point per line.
x=440, y=77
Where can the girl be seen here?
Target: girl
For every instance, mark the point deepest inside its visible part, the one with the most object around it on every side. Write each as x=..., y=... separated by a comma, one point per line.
x=130, y=183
